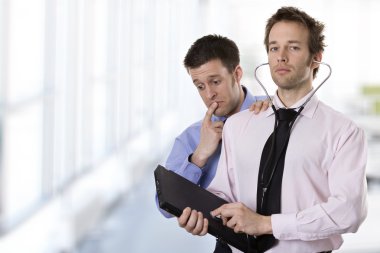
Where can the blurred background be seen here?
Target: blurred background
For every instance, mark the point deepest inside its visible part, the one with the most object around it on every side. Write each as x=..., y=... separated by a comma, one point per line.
x=93, y=93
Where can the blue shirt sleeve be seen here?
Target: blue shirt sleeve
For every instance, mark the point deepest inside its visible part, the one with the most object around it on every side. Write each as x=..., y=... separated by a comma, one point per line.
x=178, y=159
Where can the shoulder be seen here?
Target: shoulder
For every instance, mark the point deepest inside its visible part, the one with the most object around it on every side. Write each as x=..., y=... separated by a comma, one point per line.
x=191, y=131
x=250, y=99
x=242, y=115
x=243, y=119
x=337, y=119
x=329, y=112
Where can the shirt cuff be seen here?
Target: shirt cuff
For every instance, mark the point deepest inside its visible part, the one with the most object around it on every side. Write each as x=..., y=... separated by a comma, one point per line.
x=191, y=171
x=284, y=226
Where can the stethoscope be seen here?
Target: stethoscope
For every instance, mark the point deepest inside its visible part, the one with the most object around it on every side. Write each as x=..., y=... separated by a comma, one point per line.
x=265, y=185
x=310, y=96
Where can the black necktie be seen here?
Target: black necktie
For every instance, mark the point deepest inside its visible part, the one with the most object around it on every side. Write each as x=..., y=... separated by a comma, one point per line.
x=271, y=171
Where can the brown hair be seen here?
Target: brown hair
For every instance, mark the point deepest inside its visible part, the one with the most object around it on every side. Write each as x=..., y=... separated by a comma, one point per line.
x=211, y=47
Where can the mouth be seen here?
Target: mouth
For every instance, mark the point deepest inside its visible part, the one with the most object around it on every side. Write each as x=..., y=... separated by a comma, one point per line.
x=218, y=102
x=282, y=70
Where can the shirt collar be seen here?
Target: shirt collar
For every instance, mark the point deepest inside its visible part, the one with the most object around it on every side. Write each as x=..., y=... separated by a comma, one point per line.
x=308, y=111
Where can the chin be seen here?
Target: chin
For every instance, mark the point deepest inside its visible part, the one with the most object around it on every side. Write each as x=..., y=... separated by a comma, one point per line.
x=219, y=113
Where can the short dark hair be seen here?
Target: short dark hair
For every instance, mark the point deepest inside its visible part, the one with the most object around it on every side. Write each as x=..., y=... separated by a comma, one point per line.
x=211, y=47
x=315, y=28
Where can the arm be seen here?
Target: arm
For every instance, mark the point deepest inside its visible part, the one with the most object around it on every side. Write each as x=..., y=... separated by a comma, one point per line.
x=345, y=208
x=210, y=136
x=193, y=221
x=178, y=162
x=193, y=148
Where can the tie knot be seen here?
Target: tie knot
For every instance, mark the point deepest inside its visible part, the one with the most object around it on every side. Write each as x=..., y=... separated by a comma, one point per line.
x=286, y=114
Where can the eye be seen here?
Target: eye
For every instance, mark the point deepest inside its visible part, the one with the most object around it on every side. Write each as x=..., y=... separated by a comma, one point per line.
x=273, y=49
x=294, y=48
x=200, y=86
x=215, y=82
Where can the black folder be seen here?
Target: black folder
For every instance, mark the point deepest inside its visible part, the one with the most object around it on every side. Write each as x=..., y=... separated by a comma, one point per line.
x=175, y=193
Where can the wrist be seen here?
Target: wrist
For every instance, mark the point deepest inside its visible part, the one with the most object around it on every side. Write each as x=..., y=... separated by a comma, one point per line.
x=197, y=159
x=267, y=225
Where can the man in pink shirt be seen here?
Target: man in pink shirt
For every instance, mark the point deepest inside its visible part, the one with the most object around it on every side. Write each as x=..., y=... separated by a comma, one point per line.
x=322, y=182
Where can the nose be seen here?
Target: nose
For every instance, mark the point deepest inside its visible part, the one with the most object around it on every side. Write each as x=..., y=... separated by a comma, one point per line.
x=282, y=57
x=210, y=93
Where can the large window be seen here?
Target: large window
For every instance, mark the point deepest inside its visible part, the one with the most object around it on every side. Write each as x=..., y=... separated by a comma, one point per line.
x=79, y=79
x=22, y=107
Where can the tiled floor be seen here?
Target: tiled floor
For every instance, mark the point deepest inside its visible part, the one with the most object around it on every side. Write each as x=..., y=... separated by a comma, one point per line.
x=135, y=226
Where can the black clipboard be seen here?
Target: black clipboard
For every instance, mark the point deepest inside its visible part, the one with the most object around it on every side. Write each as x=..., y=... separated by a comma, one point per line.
x=175, y=193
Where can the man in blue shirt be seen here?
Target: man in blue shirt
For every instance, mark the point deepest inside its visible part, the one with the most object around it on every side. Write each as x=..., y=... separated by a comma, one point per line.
x=213, y=62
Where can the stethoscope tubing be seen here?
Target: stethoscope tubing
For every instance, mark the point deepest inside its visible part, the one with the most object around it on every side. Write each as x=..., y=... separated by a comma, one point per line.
x=266, y=185
x=310, y=96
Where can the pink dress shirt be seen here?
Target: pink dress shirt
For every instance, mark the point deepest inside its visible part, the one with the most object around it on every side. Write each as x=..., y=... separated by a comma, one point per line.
x=324, y=187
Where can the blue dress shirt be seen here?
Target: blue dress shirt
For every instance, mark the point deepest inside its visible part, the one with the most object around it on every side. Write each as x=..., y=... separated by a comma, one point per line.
x=186, y=143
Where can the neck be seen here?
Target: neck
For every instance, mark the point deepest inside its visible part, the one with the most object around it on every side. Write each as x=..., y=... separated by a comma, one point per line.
x=243, y=93
x=290, y=97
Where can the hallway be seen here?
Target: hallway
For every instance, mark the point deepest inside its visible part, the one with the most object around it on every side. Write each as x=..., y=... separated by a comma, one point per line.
x=135, y=225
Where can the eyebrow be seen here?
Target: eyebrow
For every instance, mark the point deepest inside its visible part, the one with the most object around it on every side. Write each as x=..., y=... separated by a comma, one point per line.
x=213, y=76
x=195, y=81
x=208, y=78
x=289, y=42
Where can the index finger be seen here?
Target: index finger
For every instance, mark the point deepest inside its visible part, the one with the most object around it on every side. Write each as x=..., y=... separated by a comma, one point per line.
x=210, y=111
x=218, y=211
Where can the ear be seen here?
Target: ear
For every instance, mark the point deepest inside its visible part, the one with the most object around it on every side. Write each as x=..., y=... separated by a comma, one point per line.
x=317, y=57
x=238, y=74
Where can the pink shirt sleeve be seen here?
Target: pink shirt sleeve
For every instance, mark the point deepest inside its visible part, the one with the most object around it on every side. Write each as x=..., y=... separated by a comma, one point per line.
x=346, y=207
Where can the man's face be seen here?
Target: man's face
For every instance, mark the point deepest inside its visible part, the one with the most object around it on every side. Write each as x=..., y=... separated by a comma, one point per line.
x=290, y=62
x=216, y=84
